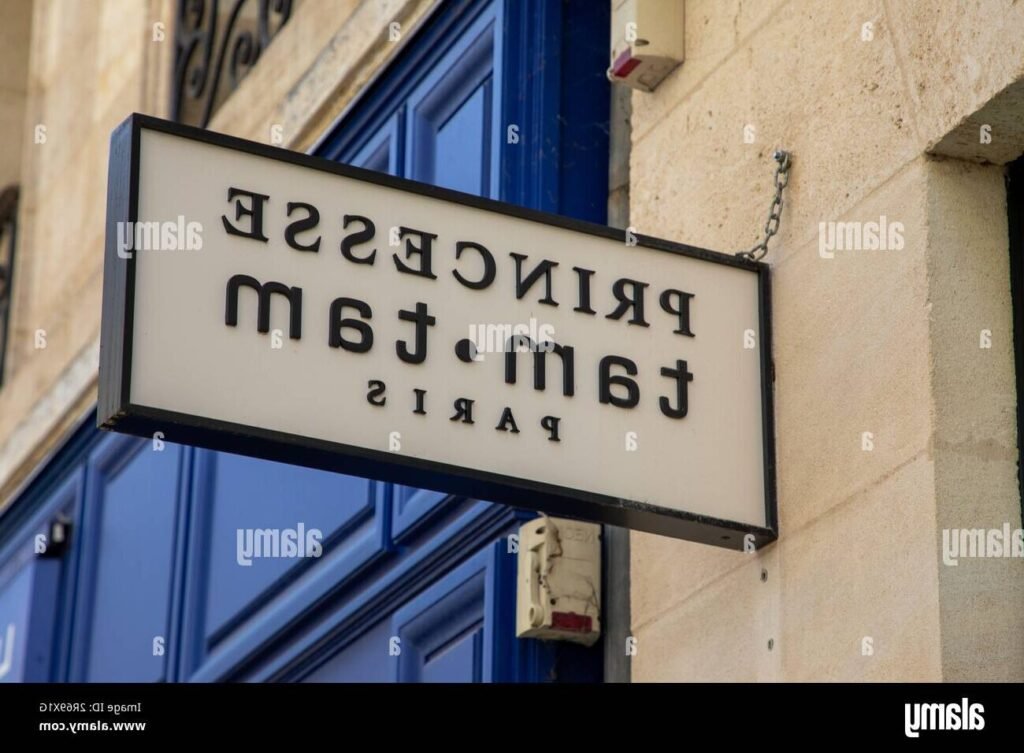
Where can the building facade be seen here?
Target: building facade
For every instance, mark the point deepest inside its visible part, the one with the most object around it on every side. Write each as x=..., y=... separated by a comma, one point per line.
x=896, y=282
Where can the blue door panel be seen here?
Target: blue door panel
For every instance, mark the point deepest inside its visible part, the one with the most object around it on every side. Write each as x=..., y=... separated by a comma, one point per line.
x=129, y=531
x=386, y=586
x=451, y=141
x=366, y=659
x=30, y=590
x=16, y=593
x=443, y=632
x=246, y=497
x=411, y=506
x=381, y=151
x=460, y=148
x=46, y=647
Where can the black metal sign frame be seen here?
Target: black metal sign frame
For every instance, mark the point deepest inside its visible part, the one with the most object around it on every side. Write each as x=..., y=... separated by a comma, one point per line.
x=117, y=412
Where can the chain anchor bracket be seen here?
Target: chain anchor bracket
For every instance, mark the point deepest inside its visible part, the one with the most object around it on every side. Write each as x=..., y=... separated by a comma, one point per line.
x=771, y=226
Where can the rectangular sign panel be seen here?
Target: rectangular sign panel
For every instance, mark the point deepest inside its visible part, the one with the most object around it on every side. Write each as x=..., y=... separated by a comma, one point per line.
x=269, y=303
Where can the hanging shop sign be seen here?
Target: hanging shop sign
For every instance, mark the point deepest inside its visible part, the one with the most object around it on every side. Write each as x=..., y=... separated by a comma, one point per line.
x=274, y=304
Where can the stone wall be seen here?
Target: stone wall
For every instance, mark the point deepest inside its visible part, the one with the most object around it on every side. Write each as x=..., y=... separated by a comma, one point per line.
x=892, y=421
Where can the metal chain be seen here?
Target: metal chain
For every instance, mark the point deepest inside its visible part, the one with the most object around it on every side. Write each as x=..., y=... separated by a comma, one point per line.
x=771, y=227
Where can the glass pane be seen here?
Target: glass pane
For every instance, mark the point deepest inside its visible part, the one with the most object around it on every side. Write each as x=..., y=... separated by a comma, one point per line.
x=461, y=146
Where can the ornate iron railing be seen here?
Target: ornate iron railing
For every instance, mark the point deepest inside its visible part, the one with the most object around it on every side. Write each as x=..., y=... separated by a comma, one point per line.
x=215, y=46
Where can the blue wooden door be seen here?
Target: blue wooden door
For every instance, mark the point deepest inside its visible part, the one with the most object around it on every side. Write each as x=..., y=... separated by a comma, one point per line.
x=127, y=538
x=164, y=580
x=477, y=106
x=439, y=130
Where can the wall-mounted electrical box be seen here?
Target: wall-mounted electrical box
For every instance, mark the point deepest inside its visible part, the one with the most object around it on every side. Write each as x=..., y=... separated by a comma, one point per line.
x=558, y=594
x=647, y=41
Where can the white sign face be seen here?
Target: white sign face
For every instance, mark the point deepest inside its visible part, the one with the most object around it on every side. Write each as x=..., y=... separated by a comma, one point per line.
x=270, y=303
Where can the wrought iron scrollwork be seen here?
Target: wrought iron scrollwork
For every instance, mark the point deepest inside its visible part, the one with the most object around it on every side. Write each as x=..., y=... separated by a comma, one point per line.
x=214, y=51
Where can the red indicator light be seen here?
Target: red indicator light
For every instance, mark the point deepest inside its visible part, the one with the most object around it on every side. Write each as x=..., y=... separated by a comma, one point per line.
x=624, y=64
x=577, y=623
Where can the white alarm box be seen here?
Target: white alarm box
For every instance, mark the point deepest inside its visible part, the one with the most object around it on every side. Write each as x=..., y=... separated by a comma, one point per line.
x=647, y=41
x=558, y=593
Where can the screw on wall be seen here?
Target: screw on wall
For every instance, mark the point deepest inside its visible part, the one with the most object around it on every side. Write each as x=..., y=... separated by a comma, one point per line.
x=764, y=575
